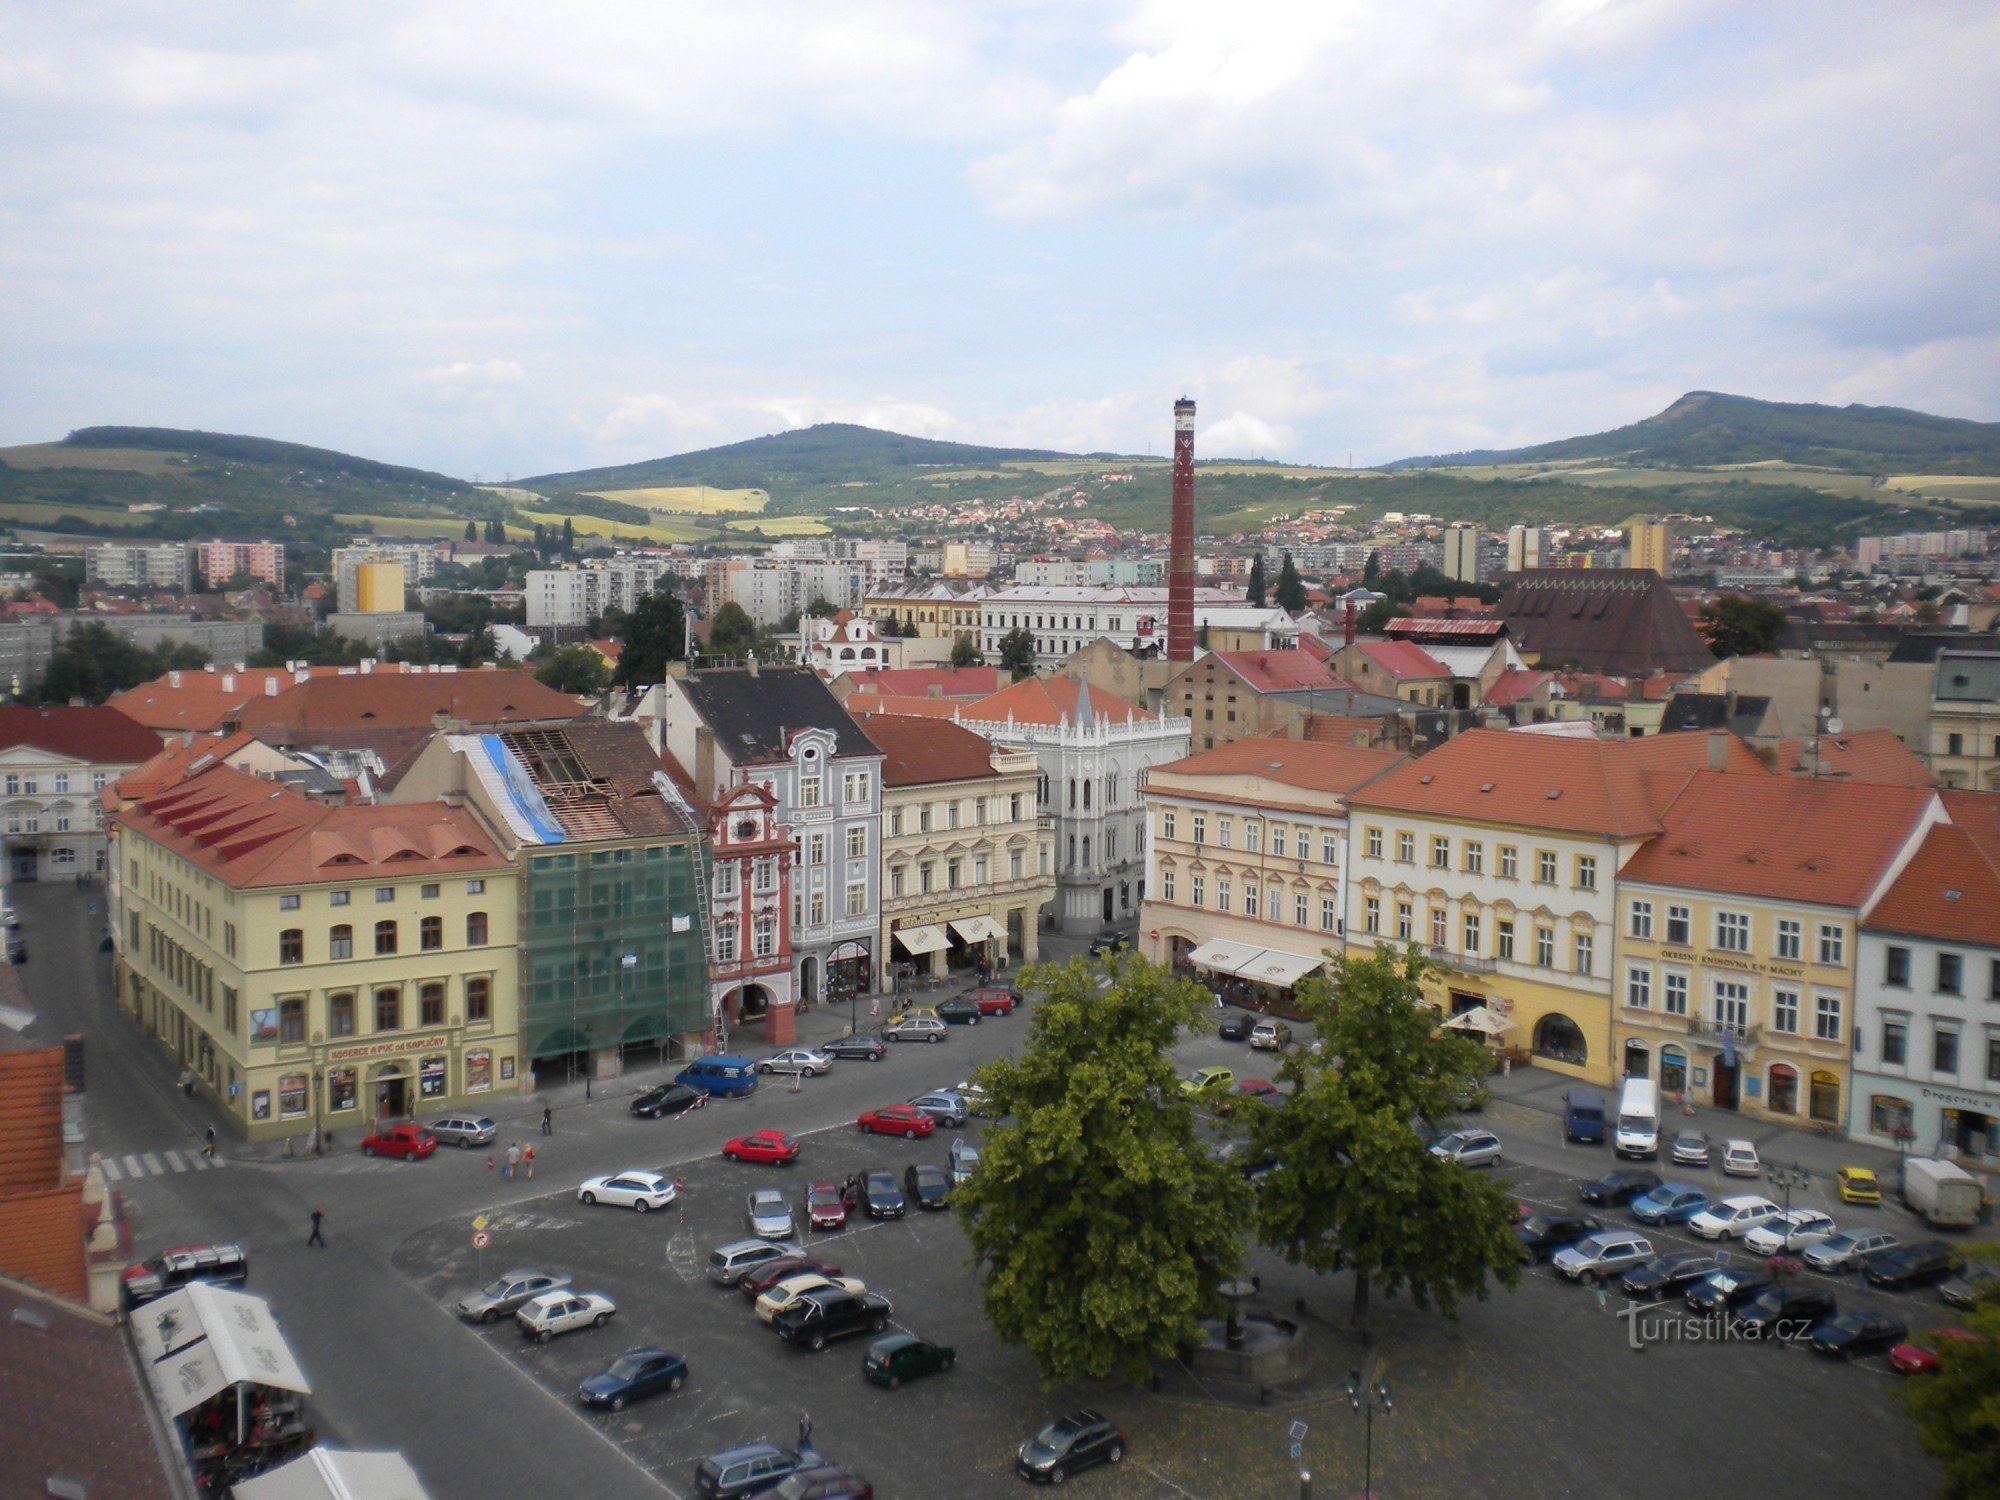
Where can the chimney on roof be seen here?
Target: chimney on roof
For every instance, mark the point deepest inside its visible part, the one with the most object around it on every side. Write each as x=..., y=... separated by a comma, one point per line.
x=174, y=679
x=704, y=762
x=270, y=687
x=229, y=682
x=1347, y=625
x=751, y=662
x=367, y=665
x=1718, y=749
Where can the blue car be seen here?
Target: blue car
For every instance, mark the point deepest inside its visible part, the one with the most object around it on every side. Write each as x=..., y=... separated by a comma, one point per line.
x=1669, y=1203
x=635, y=1374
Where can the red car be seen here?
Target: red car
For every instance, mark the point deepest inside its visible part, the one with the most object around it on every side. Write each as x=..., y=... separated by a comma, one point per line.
x=993, y=1000
x=1248, y=1088
x=763, y=1145
x=760, y=1279
x=411, y=1142
x=824, y=1210
x=905, y=1120
x=1915, y=1359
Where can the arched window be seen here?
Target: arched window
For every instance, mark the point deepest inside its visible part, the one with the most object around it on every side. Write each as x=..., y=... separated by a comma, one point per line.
x=388, y=1010
x=430, y=933
x=385, y=937
x=340, y=1014
x=340, y=941
x=1086, y=794
x=479, y=999
x=475, y=929
x=291, y=1020
x=1072, y=794
x=292, y=946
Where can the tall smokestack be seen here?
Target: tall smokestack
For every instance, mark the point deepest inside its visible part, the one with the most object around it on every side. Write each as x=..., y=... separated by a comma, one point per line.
x=1180, y=565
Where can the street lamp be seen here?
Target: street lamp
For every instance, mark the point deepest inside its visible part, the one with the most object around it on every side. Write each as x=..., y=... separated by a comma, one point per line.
x=1365, y=1399
x=1785, y=1176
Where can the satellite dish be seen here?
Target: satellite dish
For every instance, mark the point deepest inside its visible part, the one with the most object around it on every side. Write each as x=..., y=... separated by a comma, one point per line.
x=1833, y=726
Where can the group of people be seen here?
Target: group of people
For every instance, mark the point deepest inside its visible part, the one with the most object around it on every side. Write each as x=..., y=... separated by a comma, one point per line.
x=519, y=1161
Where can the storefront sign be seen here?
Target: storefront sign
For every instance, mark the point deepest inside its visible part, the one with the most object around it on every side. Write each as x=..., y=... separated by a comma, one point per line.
x=383, y=1049
x=1969, y=1101
x=1714, y=960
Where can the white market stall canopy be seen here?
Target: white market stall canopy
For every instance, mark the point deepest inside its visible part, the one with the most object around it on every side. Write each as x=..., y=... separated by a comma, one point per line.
x=1481, y=1020
x=1222, y=957
x=978, y=929
x=922, y=939
x=331, y=1474
x=203, y=1339
x=1277, y=967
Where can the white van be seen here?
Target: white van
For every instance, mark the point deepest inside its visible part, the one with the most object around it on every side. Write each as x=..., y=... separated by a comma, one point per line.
x=1638, y=1132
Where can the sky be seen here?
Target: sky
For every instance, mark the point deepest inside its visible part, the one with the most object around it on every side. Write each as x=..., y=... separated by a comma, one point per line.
x=498, y=239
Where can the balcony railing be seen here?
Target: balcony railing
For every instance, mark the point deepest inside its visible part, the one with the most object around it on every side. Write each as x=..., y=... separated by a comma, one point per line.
x=1718, y=1032
x=1464, y=963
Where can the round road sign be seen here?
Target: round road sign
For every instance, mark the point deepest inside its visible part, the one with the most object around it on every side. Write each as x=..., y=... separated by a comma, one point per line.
x=479, y=1239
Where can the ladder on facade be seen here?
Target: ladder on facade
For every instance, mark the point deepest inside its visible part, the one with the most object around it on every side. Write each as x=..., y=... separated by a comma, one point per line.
x=704, y=885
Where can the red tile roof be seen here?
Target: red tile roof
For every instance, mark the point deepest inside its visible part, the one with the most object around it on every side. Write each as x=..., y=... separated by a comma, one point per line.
x=1049, y=700
x=1826, y=842
x=1978, y=813
x=1949, y=890
x=1314, y=765
x=920, y=682
x=41, y=1214
x=175, y=764
x=197, y=701
x=1875, y=756
x=1402, y=660
x=919, y=752
x=1616, y=788
x=1514, y=684
x=1450, y=632
x=862, y=704
x=93, y=735
x=413, y=697
x=1281, y=671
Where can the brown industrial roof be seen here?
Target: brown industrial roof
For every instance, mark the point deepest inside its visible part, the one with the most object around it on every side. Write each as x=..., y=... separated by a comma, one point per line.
x=1624, y=621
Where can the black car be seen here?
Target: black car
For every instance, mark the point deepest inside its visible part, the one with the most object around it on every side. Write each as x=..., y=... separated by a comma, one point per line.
x=1541, y=1235
x=875, y=1192
x=1923, y=1264
x=958, y=1012
x=832, y=1314
x=1236, y=1026
x=1729, y=1288
x=1786, y=1312
x=635, y=1374
x=1618, y=1188
x=927, y=1184
x=1859, y=1331
x=1668, y=1274
x=667, y=1099
x=823, y=1482
x=1108, y=941
x=1067, y=1444
x=856, y=1047
x=1974, y=1279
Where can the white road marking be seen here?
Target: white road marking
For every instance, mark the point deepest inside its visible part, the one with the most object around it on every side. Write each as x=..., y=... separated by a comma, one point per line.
x=134, y=1167
x=174, y=1161
x=153, y=1166
x=110, y=1170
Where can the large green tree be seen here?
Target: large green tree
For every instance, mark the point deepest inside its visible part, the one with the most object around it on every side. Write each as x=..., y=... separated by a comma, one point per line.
x=574, y=669
x=1290, y=594
x=1737, y=625
x=1354, y=1186
x=732, y=633
x=965, y=652
x=1957, y=1410
x=655, y=633
x=1017, y=652
x=93, y=661
x=1099, y=1219
x=1253, y=591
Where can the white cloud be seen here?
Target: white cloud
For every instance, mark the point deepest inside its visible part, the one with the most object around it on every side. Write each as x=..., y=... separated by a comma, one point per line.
x=465, y=372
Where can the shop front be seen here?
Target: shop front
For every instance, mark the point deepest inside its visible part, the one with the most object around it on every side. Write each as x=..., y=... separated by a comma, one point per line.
x=1901, y=1112
x=335, y=1088
x=1252, y=977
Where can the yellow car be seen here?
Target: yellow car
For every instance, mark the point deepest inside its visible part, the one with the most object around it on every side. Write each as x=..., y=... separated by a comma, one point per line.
x=920, y=1012
x=1857, y=1185
x=1208, y=1082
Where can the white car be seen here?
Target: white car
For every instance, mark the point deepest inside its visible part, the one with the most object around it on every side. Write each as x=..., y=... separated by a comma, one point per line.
x=784, y=1293
x=806, y=1060
x=1739, y=1159
x=1733, y=1218
x=560, y=1312
x=632, y=1188
x=1800, y=1229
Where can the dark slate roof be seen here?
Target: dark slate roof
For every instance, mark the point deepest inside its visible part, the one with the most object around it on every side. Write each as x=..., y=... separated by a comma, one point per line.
x=1925, y=645
x=1742, y=714
x=1620, y=621
x=752, y=712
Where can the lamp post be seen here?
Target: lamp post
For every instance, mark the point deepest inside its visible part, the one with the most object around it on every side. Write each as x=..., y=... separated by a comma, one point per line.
x=1365, y=1399
x=1785, y=1176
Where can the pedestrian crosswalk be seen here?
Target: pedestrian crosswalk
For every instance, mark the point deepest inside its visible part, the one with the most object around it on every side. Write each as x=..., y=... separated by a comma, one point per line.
x=160, y=1164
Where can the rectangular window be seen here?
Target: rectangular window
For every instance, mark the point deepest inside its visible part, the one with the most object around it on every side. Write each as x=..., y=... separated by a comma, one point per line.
x=385, y=938
x=1013, y=864
x=816, y=909
x=857, y=842
x=1249, y=900
x=1545, y=867
x=1639, y=919
x=1680, y=926
x=385, y=893
x=1222, y=895
x=1439, y=923
x=1993, y=1059
x=1440, y=853
x=816, y=849
x=292, y=946
x=288, y=903
x=1167, y=822
x=1586, y=952
x=1832, y=944
x=951, y=872
x=475, y=887
x=429, y=892
x=340, y=1014
x=1196, y=888
x=1586, y=872
x=857, y=900
x=1224, y=831
x=854, y=786
x=1200, y=828
x=895, y=822
x=475, y=929
x=1950, y=974
x=725, y=941
x=1327, y=917
x=388, y=1010
x=1277, y=841
x=1503, y=939
x=1509, y=862
x=430, y=1005
x=1639, y=987
x=1471, y=933
x=1676, y=994
x=340, y=942
x=1406, y=848
x=1274, y=902
x=1826, y=1018
x=1475, y=858
x=1791, y=938
x=1785, y=1011
x=1299, y=908
x=1329, y=848
x=1166, y=885
x=1406, y=926
x=810, y=788
x=338, y=898
x=1252, y=836
x=1371, y=913
x=895, y=880
x=430, y=934
x=1944, y=1050
x=1895, y=1041
x=1732, y=931
x=1896, y=966
x=479, y=999
x=1545, y=947
x=291, y=1020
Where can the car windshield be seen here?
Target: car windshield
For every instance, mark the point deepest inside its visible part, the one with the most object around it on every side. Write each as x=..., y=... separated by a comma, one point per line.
x=498, y=1288
x=1841, y=1242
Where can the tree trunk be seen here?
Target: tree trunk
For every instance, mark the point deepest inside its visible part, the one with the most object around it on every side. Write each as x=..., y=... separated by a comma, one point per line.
x=1360, y=1314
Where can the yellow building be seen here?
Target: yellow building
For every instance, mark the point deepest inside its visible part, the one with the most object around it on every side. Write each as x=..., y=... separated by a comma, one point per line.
x=1738, y=932
x=1649, y=544
x=379, y=586
x=930, y=609
x=316, y=966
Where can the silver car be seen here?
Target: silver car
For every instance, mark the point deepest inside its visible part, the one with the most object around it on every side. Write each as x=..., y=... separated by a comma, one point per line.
x=464, y=1131
x=943, y=1106
x=807, y=1061
x=1850, y=1250
x=768, y=1215
x=508, y=1293
x=964, y=1157
x=917, y=1029
x=1469, y=1148
x=1602, y=1255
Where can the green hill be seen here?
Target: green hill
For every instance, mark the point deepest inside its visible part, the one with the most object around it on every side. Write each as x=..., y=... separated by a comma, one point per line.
x=1707, y=428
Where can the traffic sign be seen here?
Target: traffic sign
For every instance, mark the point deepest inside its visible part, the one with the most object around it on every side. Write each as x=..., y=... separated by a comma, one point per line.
x=1295, y=1450
x=1298, y=1432
x=479, y=1222
x=480, y=1239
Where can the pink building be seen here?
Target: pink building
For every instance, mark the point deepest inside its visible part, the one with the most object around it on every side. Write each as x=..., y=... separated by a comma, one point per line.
x=219, y=561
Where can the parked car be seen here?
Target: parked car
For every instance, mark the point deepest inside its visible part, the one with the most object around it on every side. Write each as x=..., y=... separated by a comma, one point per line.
x=1619, y=1187
x=829, y=1314
x=542, y=1318
x=916, y=1029
x=1739, y=1159
x=628, y=1189
x=927, y=1184
x=1857, y=1332
x=1067, y=1444
x=410, y=1142
x=1111, y=940
x=1595, y=1257
x=783, y=1294
x=1255, y=1090
x=958, y=1011
x=905, y=1120
x=730, y=1076
x=730, y=1263
x=1730, y=1287
x=975, y=1097
x=1236, y=1026
x=1786, y=1312
x=633, y=1376
x=1668, y=1275
x=667, y=1099
x=761, y=1279
x=876, y=1193
x=1733, y=1218
x=996, y=999
x=747, y=1469
x=507, y=1292
x=964, y=1157
x=1973, y=1281
x=767, y=1214
x=1794, y=1229
x=1669, y=1203
x=1691, y=1149
x=1270, y=1035
x=170, y=1270
x=856, y=1048
x=1923, y=1264
x=808, y=1061
x=1469, y=1148
x=903, y=1356
x=824, y=1210
x=464, y=1131
x=1857, y=1185
x=1849, y=1250
x=1207, y=1082
x=943, y=1106
x=1541, y=1235
x=773, y=1146
x=1923, y=1359
x=823, y=1482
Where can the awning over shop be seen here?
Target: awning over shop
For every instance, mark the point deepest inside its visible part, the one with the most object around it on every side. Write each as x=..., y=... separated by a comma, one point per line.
x=922, y=939
x=978, y=929
x=203, y=1339
x=329, y=1474
x=1275, y=966
x=1481, y=1020
x=1223, y=957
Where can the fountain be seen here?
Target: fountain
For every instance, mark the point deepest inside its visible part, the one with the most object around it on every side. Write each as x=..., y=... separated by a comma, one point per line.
x=1248, y=1346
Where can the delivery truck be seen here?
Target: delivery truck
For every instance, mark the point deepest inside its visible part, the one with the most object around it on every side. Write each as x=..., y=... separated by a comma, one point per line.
x=1941, y=1193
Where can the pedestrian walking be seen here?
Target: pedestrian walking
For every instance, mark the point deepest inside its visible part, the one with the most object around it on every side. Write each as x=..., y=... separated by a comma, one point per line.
x=316, y=1238
x=548, y=1121
x=513, y=1160
x=208, y=1143
x=805, y=1428
x=187, y=1082
x=528, y=1161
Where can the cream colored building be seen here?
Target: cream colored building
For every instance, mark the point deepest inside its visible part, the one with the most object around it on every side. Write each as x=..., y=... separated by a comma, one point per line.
x=1649, y=545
